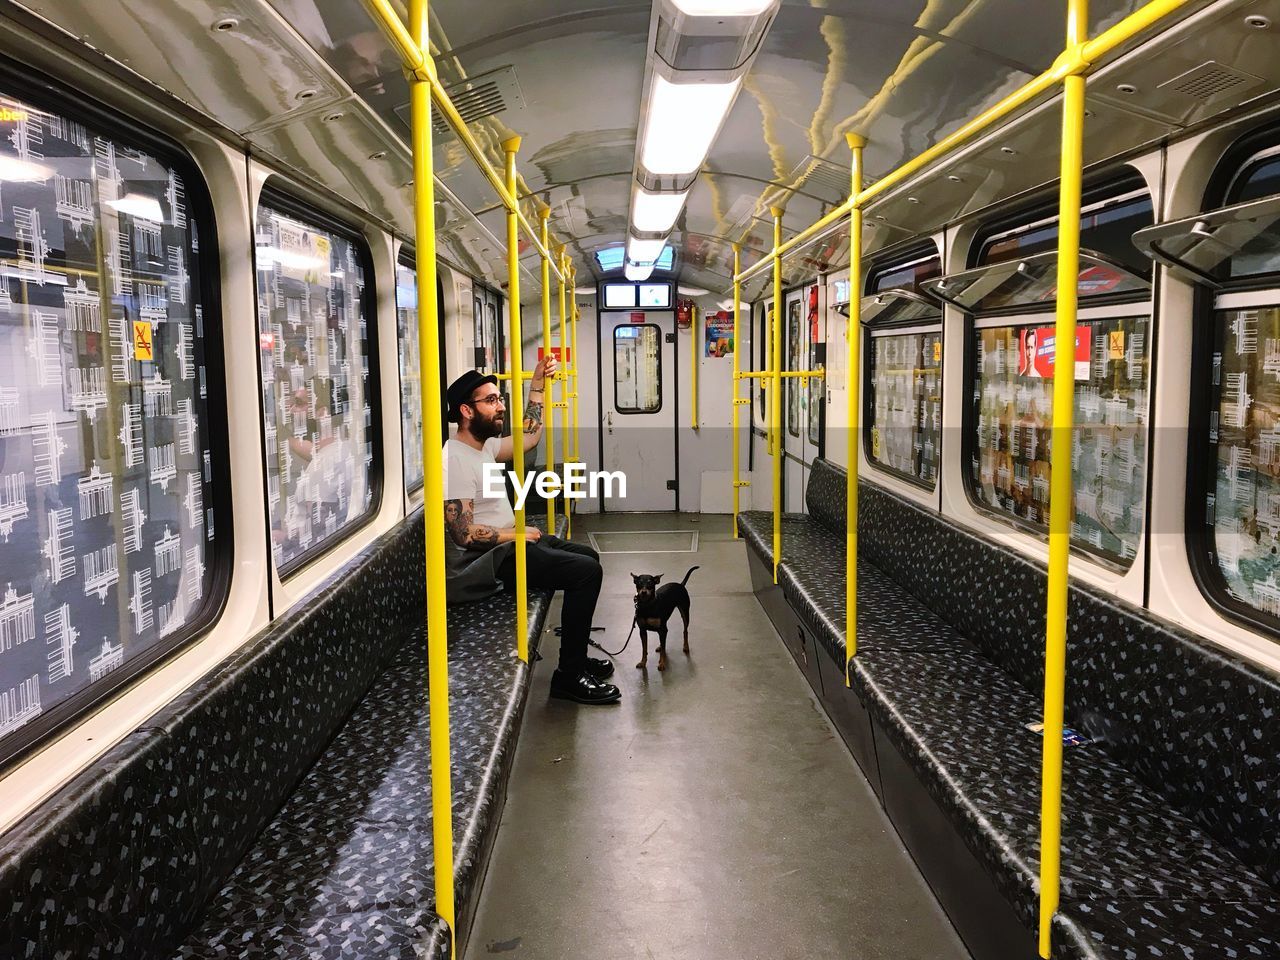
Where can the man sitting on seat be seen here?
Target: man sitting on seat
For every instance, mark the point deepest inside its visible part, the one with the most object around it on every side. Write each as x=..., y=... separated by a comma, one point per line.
x=482, y=530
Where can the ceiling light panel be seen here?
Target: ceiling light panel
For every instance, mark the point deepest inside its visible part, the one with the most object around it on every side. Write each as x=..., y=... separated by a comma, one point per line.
x=645, y=251
x=683, y=120
x=723, y=8
x=635, y=271
x=656, y=212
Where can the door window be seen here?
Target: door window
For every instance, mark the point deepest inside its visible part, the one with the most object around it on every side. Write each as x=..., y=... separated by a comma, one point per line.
x=795, y=361
x=637, y=368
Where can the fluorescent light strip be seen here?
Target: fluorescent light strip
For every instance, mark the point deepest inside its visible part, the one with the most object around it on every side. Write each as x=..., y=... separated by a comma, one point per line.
x=722, y=8
x=683, y=120
x=656, y=212
x=635, y=271
x=644, y=251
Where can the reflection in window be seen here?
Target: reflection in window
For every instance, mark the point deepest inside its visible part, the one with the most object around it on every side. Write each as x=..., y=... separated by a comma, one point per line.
x=492, y=356
x=1106, y=227
x=796, y=357
x=1244, y=488
x=637, y=371
x=410, y=374
x=1013, y=412
x=315, y=381
x=906, y=403
x=106, y=517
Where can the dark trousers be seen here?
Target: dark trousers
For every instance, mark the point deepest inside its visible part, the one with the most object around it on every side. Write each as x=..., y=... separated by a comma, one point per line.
x=557, y=564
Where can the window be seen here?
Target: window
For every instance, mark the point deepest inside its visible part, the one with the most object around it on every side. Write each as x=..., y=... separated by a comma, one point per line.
x=1239, y=479
x=316, y=355
x=1244, y=489
x=1012, y=410
x=637, y=368
x=1108, y=220
x=110, y=518
x=765, y=326
x=904, y=366
x=1013, y=362
x=796, y=355
x=906, y=403
x=410, y=372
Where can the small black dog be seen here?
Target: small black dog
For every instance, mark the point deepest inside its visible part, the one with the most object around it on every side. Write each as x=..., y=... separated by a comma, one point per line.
x=654, y=606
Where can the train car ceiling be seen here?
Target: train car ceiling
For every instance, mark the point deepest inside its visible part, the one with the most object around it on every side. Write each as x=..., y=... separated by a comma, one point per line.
x=312, y=84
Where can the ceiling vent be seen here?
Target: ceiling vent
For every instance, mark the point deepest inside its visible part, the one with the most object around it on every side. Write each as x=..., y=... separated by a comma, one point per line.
x=1211, y=81
x=822, y=178
x=484, y=95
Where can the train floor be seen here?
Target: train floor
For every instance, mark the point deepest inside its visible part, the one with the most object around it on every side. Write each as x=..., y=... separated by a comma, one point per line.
x=715, y=814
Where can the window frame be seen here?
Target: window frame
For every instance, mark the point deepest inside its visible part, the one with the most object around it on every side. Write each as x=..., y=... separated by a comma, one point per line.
x=279, y=198
x=1089, y=309
x=636, y=413
x=1202, y=453
x=52, y=94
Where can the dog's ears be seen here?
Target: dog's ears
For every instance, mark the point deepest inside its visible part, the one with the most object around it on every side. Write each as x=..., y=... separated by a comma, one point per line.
x=657, y=578
x=634, y=578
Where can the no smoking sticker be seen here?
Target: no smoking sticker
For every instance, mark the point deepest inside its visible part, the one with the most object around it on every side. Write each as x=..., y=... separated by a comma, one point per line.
x=143, y=348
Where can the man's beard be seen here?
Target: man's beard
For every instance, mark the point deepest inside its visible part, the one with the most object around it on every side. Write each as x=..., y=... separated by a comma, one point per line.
x=485, y=428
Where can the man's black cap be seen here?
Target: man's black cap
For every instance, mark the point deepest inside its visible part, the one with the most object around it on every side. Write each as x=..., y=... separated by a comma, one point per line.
x=460, y=390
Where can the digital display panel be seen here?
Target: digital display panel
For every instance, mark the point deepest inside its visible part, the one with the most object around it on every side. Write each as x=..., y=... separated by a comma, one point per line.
x=655, y=295
x=619, y=295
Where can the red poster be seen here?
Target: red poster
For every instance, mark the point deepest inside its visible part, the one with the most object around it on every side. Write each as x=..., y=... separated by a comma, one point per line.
x=557, y=353
x=1036, y=352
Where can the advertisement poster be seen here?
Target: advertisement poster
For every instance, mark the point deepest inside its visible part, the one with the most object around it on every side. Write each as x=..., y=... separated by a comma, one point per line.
x=1036, y=352
x=719, y=328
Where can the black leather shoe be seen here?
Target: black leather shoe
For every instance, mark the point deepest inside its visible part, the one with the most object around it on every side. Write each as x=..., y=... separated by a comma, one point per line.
x=599, y=669
x=583, y=689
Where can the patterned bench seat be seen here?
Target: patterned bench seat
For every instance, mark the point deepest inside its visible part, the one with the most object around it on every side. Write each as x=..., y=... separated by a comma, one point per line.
x=216, y=816
x=354, y=840
x=949, y=682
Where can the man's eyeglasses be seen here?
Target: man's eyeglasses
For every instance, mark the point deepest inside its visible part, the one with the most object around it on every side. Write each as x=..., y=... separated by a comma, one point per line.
x=491, y=398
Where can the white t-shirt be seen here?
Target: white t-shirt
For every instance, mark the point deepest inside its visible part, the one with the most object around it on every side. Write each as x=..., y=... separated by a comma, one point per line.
x=464, y=480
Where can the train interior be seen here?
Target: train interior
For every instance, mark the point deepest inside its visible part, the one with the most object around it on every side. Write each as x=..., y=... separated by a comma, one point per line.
x=770, y=293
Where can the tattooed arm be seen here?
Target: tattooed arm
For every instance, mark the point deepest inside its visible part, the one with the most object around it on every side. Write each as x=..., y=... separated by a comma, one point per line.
x=459, y=521
x=533, y=410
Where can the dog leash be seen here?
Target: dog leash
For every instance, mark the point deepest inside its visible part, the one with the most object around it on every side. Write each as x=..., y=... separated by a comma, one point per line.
x=616, y=653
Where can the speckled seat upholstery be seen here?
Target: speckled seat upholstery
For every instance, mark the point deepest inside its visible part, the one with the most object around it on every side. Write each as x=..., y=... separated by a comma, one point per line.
x=355, y=839
x=128, y=857
x=1164, y=839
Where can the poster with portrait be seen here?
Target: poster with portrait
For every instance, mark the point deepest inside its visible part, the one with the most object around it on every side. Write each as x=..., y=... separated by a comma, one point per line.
x=1036, y=350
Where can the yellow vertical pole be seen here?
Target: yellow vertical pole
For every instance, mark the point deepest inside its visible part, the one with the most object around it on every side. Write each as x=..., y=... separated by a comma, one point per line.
x=429, y=320
x=563, y=371
x=566, y=386
x=737, y=372
x=548, y=385
x=514, y=338
x=695, y=357
x=573, y=335
x=1060, y=492
x=775, y=379
x=853, y=400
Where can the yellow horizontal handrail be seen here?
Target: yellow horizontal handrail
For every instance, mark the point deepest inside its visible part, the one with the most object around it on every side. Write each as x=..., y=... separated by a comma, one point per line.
x=419, y=65
x=761, y=374
x=1074, y=61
